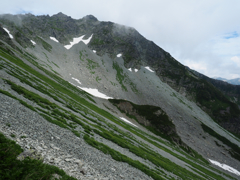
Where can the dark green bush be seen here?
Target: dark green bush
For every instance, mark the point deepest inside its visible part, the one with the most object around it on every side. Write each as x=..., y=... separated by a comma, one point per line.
x=11, y=168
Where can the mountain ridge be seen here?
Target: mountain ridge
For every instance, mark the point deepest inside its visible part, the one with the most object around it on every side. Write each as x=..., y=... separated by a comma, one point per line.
x=103, y=63
x=235, y=81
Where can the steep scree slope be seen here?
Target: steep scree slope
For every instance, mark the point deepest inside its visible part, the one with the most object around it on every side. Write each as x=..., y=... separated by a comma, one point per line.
x=38, y=72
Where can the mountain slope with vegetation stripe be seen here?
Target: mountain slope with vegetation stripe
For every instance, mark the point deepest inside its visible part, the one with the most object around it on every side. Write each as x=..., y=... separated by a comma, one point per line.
x=95, y=97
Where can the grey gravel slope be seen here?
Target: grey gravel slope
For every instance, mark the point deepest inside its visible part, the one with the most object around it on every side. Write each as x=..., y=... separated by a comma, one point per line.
x=110, y=76
x=186, y=115
x=59, y=146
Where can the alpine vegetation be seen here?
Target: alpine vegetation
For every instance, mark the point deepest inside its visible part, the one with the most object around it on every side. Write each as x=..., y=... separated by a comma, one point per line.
x=86, y=99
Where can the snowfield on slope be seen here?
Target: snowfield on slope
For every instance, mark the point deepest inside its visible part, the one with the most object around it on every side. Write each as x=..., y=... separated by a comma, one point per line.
x=76, y=80
x=225, y=167
x=91, y=91
x=11, y=36
x=119, y=55
x=122, y=118
x=33, y=42
x=95, y=93
x=54, y=39
x=77, y=40
x=148, y=68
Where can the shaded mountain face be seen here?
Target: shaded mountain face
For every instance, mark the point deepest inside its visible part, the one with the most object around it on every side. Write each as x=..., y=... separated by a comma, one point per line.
x=49, y=62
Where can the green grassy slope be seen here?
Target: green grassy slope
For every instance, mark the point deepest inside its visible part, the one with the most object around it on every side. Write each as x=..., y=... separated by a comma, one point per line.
x=68, y=107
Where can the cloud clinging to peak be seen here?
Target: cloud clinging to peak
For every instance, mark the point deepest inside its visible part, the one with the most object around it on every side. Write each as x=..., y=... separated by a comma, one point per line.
x=203, y=35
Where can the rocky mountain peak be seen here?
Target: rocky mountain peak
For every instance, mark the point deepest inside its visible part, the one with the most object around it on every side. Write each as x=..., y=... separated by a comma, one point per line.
x=60, y=14
x=90, y=17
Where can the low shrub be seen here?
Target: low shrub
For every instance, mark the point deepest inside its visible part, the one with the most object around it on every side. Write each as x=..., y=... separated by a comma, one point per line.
x=11, y=168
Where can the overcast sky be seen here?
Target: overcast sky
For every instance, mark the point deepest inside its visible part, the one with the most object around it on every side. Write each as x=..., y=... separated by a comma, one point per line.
x=204, y=35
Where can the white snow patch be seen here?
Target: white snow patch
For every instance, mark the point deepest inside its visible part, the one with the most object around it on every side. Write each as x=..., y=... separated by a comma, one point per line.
x=94, y=51
x=95, y=93
x=54, y=39
x=77, y=40
x=72, y=83
x=33, y=42
x=225, y=167
x=127, y=121
x=148, y=68
x=130, y=69
x=119, y=55
x=76, y=80
x=8, y=33
x=91, y=91
x=136, y=70
x=88, y=40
